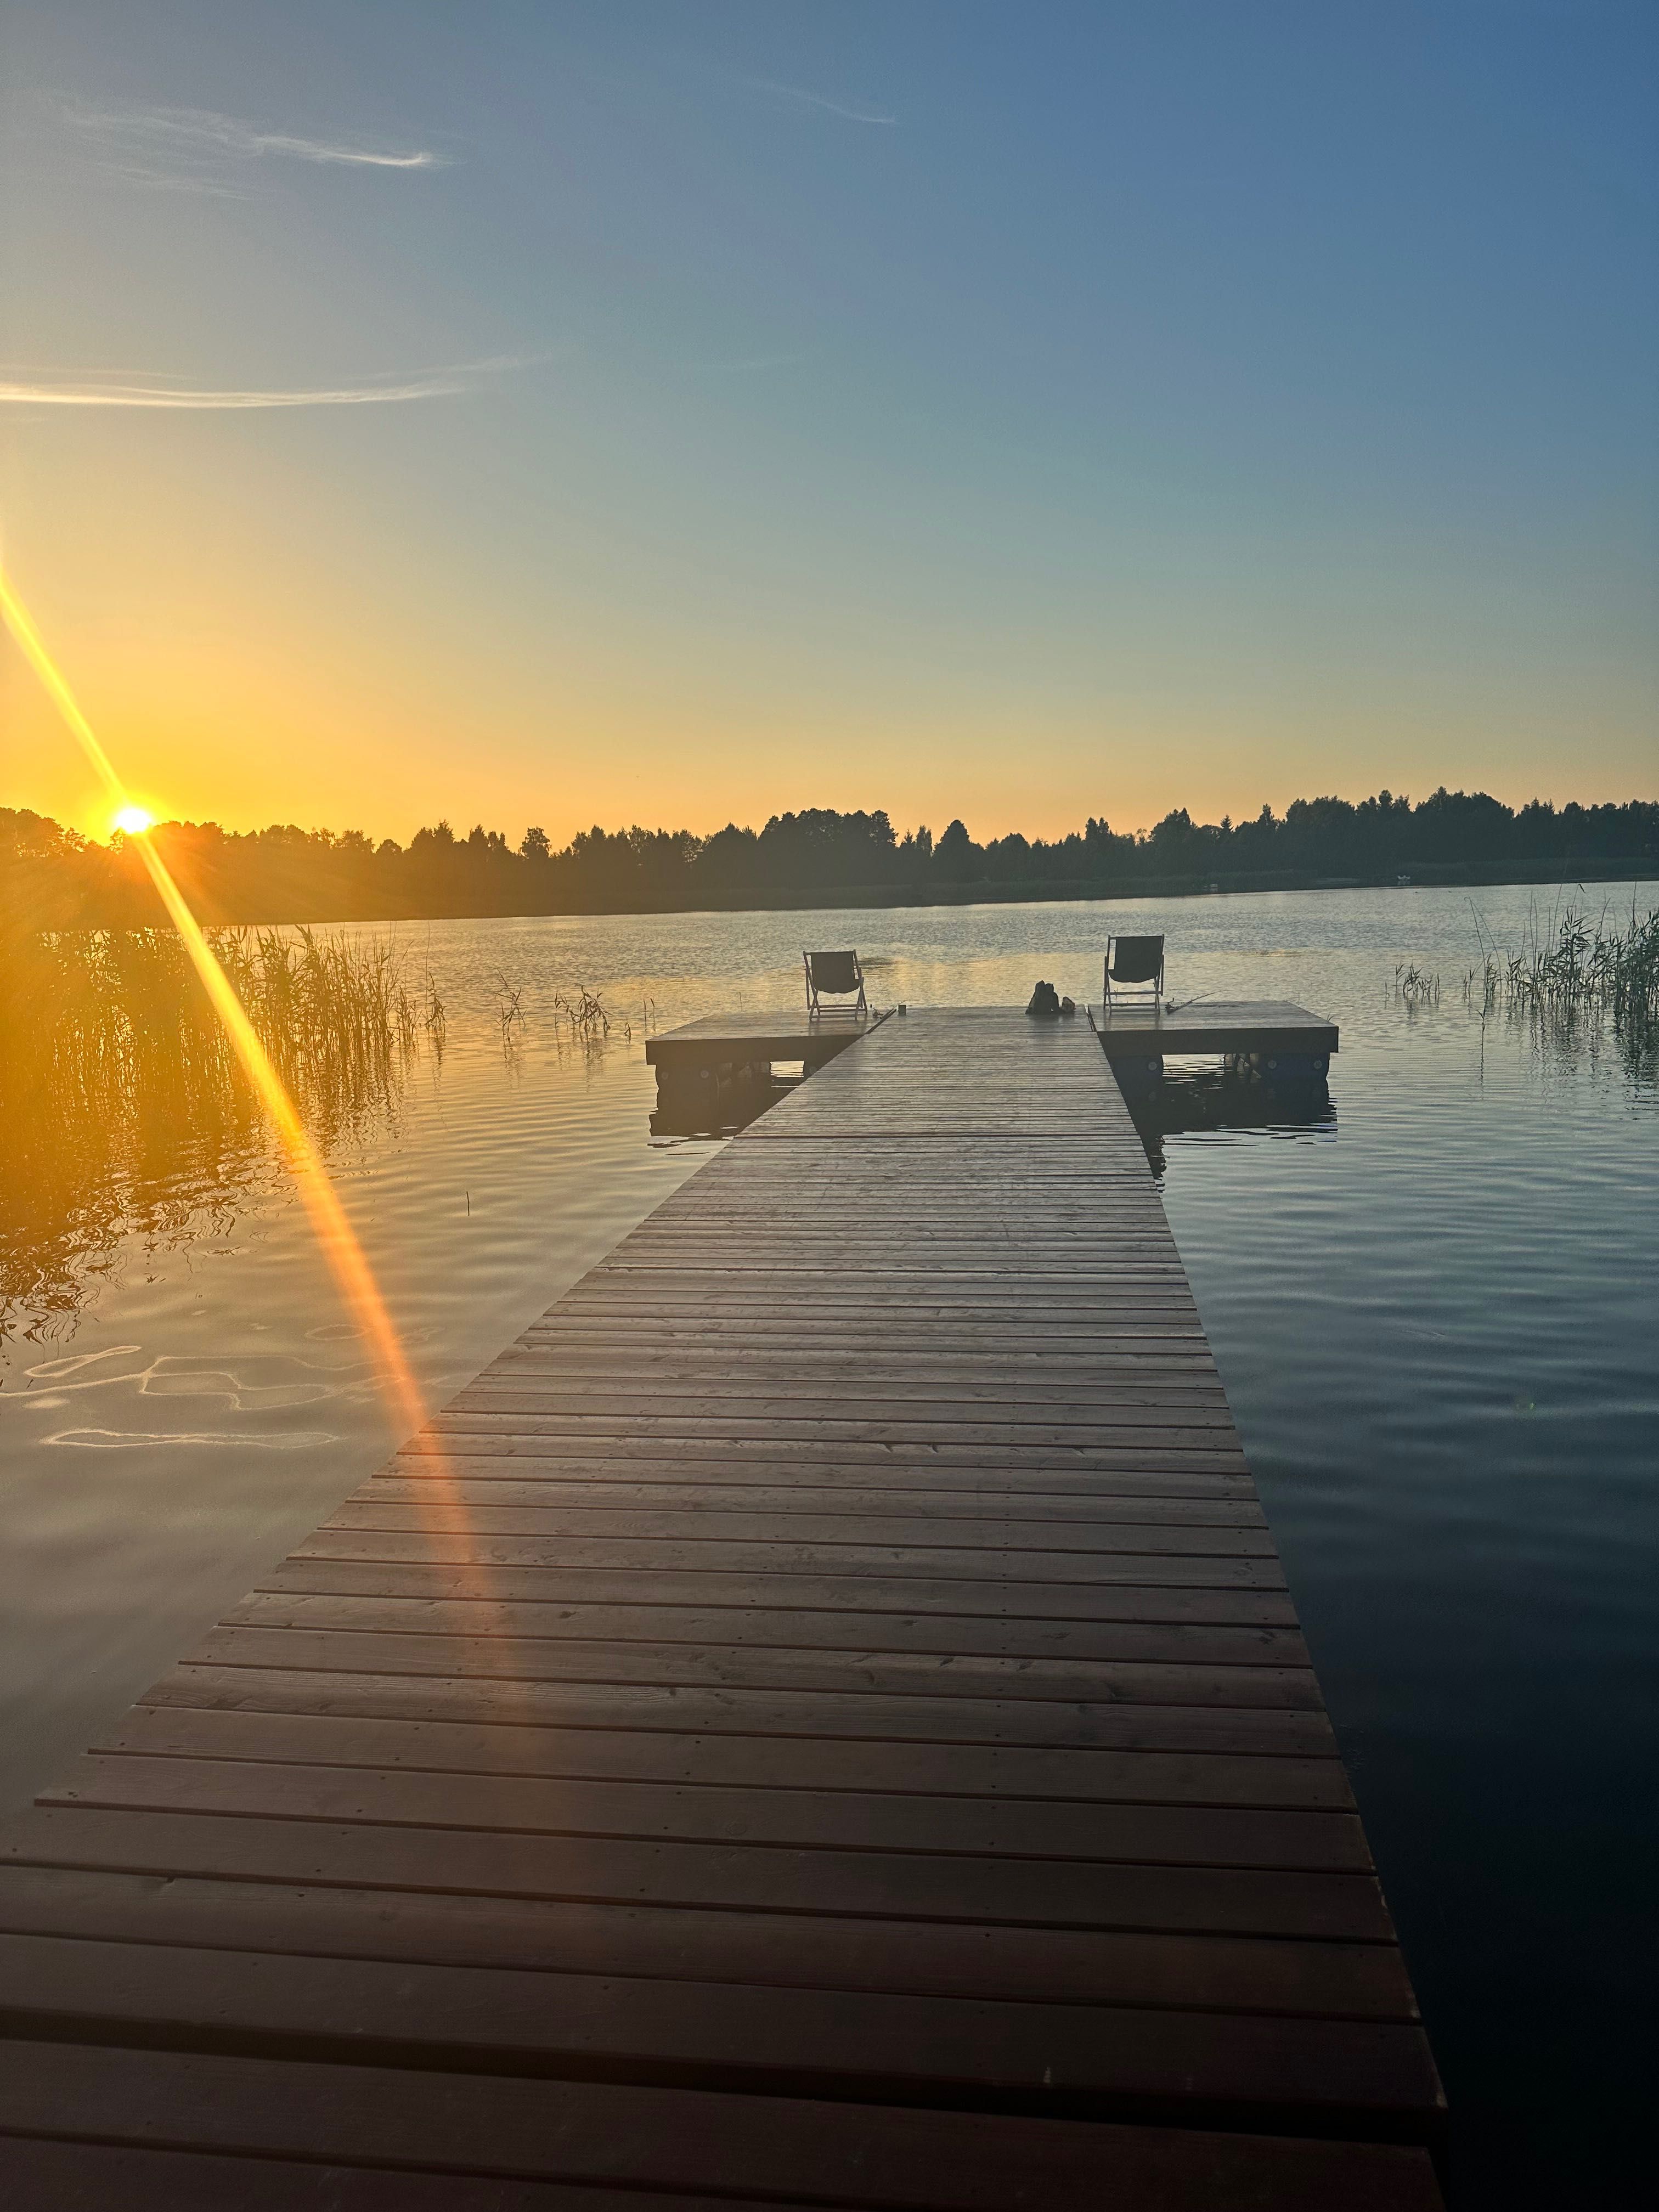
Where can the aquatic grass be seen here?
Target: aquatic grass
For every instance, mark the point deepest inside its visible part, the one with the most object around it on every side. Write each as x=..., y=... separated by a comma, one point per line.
x=434, y=1018
x=509, y=1011
x=123, y=1105
x=1570, y=973
x=585, y=1013
x=89, y=1021
x=335, y=1013
x=1582, y=966
x=96, y=1019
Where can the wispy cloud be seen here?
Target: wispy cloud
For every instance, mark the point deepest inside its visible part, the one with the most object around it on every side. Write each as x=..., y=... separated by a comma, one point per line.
x=193, y=149
x=796, y=97
x=117, y=391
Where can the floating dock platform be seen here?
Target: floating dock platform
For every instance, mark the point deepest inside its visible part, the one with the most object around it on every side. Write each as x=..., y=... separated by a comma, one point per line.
x=717, y=1073
x=819, y=1721
x=1270, y=1033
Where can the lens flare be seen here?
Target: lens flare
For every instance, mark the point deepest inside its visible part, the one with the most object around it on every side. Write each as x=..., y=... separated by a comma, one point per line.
x=334, y=1231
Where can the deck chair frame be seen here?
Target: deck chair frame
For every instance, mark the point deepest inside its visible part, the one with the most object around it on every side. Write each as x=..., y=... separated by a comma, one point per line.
x=816, y=987
x=1148, y=981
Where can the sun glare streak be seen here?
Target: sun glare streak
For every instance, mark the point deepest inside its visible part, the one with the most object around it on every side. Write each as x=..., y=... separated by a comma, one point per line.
x=31, y=644
x=333, y=1230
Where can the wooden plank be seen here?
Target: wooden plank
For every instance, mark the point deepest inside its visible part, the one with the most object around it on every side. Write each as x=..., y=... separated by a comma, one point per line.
x=707, y=1369
x=767, y=1814
x=790, y=1790
x=1174, y=1757
x=1141, y=1565
x=909, y=1487
x=851, y=1596
x=293, y=1597
x=551, y=1487
x=756, y=1872
x=1116, y=1466
x=636, y=2141
x=651, y=1635
x=1237, y=1534
x=1350, y=2074
x=454, y=1436
x=1084, y=1402
x=40, y=2175
x=495, y=1678
x=362, y=1630
x=1130, y=1337
x=784, y=1947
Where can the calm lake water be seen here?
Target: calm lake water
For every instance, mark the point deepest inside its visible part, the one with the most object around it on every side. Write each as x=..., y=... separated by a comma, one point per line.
x=1434, y=1308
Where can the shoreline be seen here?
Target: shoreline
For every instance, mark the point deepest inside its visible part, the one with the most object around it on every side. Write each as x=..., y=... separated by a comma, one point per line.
x=876, y=897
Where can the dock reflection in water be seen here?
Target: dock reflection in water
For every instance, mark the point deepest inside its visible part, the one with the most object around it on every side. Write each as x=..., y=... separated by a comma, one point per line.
x=1198, y=1102
x=728, y=1108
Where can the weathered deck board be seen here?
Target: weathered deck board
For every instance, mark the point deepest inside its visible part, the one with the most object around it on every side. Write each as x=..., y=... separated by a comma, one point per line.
x=281, y=2133
x=819, y=1720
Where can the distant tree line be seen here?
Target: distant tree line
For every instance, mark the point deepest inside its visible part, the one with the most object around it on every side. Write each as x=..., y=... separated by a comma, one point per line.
x=51, y=878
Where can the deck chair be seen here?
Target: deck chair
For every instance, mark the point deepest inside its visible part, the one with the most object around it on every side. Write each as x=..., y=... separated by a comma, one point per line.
x=834, y=975
x=1136, y=964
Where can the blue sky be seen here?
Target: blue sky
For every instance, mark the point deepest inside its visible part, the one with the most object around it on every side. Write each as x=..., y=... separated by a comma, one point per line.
x=1018, y=412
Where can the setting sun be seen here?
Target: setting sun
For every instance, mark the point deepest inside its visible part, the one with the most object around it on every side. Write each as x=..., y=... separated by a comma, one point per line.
x=134, y=820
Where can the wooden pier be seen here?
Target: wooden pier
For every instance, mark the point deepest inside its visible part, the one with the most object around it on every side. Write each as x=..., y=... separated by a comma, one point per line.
x=818, y=1722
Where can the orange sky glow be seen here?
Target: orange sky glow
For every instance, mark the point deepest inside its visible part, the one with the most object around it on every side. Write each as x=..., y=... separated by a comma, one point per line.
x=1106, y=429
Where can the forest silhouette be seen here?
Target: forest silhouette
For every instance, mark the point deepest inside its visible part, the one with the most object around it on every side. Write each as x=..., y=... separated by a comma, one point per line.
x=53, y=879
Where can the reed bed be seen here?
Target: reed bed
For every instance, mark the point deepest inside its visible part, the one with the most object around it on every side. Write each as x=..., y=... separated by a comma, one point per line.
x=1585, y=966
x=107, y=1036
x=94, y=1019
x=124, y=1105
